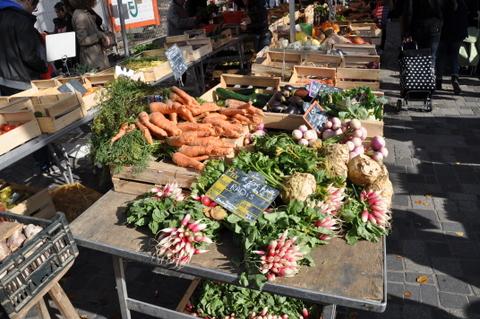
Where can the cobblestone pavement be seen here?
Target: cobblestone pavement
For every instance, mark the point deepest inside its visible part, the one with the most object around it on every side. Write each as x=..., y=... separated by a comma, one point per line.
x=435, y=169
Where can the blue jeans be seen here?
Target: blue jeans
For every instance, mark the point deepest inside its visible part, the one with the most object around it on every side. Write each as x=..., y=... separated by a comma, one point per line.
x=428, y=41
x=448, y=58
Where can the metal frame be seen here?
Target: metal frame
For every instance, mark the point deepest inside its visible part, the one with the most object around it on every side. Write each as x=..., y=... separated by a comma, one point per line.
x=329, y=301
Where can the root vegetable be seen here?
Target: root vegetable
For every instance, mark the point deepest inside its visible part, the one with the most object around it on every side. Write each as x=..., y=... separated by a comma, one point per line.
x=146, y=133
x=16, y=240
x=218, y=213
x=232, y=112
x=121, y=133
x=355, y=124
x=187, y=127
x=383, y=186
x=215, y=116
x=4, y=250
x=357, y=141
x=194, y=151
x=328, y=125
x=303, y=142
x=159, y=120
x=350, y=145
x=184, y=95
x=31, y=230
x=362, y=170
x=201, y=158
x=181, y=140
x=187, y=162
x=327, y=134
x=310, y=135
x=164, y=108
x=365, y=133
x=377, y=156
x=357, y=133
x=377, y=143
x=336, y=123
x=155, y=130
x=303, y=128
x=204, y=108
x=243, y=119
x=336, y=159
x=173, y=117
x=299, y=187
x=184, y=112
x=384, y=152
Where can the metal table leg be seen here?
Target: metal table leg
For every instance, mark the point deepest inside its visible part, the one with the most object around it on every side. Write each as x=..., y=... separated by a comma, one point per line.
x=329, y=312
x=119, y=271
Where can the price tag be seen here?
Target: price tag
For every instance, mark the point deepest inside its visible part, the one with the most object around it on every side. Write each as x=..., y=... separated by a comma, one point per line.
x=315, y=117
x=314, y=88
x=246, y=195
x=72, y=86
x=177, y=62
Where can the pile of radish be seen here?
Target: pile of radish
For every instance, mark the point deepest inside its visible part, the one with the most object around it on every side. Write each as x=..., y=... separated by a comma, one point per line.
x=305, y=136
x=377, y=149
x=350, y=132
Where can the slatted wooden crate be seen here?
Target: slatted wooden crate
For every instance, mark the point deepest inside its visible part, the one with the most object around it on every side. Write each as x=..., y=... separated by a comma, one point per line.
x=360, y=61
x=348, y=78
x=45, y=84
x=39, y=204
x=321, y=60
x=356, y=49
x=277, y=64
x=27, y=129
x=304, y=74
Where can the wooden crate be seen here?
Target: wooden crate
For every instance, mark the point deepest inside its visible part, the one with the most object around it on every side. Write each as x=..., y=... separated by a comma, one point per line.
x=198, y=49
x=98, y=79
x=39, y=204
x=28, y=129
x=289, y=122
x=224, y=37
x=157, y=173
x=4, y=100
x=50, y=95
x=305, y=74
x=348, y=78
x=277, y=64
x=45, y=84
x=356, y=49
x=321, y=60
x=359, y=61
x=64, y=80
x=57, y=115
x=233, y=81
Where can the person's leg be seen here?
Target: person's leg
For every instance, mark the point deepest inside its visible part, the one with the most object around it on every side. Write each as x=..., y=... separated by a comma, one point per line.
x=442, y=57
x=453, y=59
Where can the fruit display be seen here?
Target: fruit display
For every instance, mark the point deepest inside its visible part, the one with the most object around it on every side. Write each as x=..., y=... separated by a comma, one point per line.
x=10, y=196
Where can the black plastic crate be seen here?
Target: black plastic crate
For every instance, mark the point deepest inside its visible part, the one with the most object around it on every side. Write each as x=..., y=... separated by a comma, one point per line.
x=27, y=271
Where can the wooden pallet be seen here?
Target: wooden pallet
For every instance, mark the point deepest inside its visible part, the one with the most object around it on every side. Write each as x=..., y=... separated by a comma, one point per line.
x=157, y=173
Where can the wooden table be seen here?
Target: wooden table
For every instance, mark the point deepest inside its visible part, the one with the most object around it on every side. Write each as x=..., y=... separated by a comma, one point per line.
x=351, y=276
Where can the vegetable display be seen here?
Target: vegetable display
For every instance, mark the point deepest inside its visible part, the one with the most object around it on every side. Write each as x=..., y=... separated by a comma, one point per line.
x=15, y=241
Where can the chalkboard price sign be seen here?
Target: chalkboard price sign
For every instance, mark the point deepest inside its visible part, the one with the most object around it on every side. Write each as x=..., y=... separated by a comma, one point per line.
x=244, y=194
x=177, y=62
x=315, y=117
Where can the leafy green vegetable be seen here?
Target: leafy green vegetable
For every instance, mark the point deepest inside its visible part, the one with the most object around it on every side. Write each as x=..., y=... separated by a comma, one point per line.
x=357, y=103
x=221, y=300
x=210, y=174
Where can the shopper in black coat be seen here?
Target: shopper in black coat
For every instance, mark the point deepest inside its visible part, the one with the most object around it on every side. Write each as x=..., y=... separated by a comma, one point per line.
x=454, y=31
x=21, y=52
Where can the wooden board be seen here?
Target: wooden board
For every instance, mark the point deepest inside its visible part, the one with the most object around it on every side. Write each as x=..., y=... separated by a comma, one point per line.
x=349, y=78
x=303, y=74
x=156, y=173
x=354, y=272
x=359, y=61
x=40, y=204
x=352, y=49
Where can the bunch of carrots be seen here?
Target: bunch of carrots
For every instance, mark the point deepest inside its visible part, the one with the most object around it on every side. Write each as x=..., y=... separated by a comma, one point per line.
x=199, y=131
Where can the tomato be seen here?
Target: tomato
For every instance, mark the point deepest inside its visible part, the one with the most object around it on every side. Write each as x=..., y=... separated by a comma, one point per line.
x=206, y=201
x=7, y=127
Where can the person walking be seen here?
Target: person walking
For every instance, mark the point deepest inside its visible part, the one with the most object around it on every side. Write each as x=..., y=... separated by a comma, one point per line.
x=63, y=21
x=22, y=56
x=454, y=31
x=89, y=35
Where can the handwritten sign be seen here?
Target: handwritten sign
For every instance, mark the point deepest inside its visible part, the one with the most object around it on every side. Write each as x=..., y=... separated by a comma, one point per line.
x=244, y=194
x=177, y=62
x=72, y=86
x=315, y=117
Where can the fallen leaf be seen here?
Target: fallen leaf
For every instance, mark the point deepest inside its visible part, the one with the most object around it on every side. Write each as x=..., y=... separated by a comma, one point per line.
x=460, y=233
x=407, y=294
x=422, y=279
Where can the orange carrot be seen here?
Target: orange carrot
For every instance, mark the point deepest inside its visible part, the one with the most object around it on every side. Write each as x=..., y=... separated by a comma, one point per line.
x=188, y=126
x=159, y=120
x=232, y=112
x=164, y=108
x=205, y=107
x=184, y=95
x=216, y=116
x=146, y=133
x=194, y=151
x=188, y=162
x=224, y=124
x=155, y=130
x=184, y=112
x=201, y=158
x=181, y=140
x=176, y=98
x=121, y=132
x=234, y=103
x=242, y=119
x=252, y=109
x=191, y=134
x=174, y=117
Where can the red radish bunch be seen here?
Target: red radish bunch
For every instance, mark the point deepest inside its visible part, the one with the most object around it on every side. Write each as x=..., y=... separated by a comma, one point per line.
x=377, y=149
x=178, y=245
x=265, y=315
x=281, y=258
x=376, y=211
x=333, y=201
x=171, y=190
x=329, y=223
x=206, y=201
x=304, y=136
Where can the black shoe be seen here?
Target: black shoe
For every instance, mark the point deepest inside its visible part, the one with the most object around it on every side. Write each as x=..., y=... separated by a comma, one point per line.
x=438, y=84
x=456, y=85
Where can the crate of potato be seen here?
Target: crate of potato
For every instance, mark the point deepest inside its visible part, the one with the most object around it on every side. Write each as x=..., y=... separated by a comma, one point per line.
x=33, y=253
x=17, y=126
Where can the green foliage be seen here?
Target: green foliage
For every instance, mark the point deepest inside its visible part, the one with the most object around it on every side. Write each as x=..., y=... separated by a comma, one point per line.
x=221, y=300
x=358, y=103
x=123, y=101
x=210, y=174
x=162, y=213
